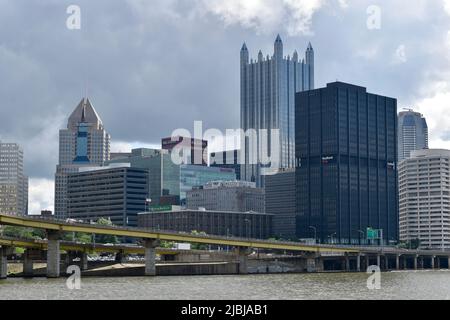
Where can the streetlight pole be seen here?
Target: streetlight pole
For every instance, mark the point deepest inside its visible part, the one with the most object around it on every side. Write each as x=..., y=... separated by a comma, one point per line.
x=315, y=233
x=247, y=221
x=228, y=235
x=331, y=237
x=147, y=204
x=381, y=239
x=363, y=235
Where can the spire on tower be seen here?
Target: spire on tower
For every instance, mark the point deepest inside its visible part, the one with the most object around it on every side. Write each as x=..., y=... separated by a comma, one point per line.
x=244, y=54
x=278, y=48
x=83, y=112
x=310, y=55
x=310, y=63
x=295, y=56
x=260, y=56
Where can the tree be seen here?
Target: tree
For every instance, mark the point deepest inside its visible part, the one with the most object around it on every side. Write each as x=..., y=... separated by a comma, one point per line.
x=167, y=244
x=415, y=244
x=198, y=246
x=411, y=244
x=78, y=237
x=106, y=238
x=23, y=233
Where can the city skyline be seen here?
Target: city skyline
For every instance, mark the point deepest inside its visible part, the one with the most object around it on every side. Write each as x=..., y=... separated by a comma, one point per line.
x=410, y=59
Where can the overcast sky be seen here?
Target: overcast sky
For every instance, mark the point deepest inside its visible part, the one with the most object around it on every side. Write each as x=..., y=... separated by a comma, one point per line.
x=152, y=66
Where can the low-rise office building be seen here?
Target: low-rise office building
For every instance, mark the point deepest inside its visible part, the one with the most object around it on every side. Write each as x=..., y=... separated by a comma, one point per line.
x=192, y=176
x=117, y=194
x=164, y=175
x=220, y=223
x=236, y=196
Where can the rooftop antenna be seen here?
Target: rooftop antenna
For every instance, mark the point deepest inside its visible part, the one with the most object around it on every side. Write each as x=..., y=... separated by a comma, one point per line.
x=86, y=89
x=86, y=76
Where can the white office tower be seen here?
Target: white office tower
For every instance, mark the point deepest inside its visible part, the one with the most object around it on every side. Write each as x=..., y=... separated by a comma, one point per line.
x=268, y=88
x=85, y=143
x=424, y=195
x=13, y=182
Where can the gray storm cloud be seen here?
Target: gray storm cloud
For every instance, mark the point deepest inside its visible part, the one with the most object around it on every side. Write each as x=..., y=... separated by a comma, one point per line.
x=157, y=65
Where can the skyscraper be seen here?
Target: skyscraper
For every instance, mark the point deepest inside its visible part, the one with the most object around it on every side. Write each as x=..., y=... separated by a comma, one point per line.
x=268, y=87
x=412, y=133
x=13, y=182
x=85, y=143
x=424, y=191
x=346, y=148
x=280, y=201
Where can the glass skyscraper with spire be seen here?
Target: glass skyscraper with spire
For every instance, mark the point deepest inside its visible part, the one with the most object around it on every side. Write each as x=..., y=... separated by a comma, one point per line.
x=268, y=88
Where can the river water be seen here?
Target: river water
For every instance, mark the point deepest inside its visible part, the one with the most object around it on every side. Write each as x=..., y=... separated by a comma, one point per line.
x=395, y=285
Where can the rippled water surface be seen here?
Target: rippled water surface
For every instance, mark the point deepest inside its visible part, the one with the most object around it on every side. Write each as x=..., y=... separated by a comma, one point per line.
x=397, y=285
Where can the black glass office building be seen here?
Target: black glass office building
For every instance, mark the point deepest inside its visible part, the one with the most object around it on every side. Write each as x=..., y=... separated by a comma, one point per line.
x=346, y=153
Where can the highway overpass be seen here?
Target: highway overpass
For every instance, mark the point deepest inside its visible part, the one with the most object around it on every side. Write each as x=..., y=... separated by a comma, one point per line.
x=351, y=255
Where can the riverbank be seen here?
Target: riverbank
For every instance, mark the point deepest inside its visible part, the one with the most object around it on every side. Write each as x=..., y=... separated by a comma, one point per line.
x=15, y=270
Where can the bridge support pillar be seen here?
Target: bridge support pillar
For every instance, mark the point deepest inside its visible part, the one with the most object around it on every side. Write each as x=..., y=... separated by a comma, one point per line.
x=397, y=262
x=120, y=257
x=405, y=263
x=150, y=256
x=347, y=262
x=69, y=259
x=3, y=263
x=84, y=261
x=433, y=262
x=385, y=263
x=415, y=262
x=53, y=254
x=27, y=263
x=379, y=261
x=243, y=260
x=358, y=262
